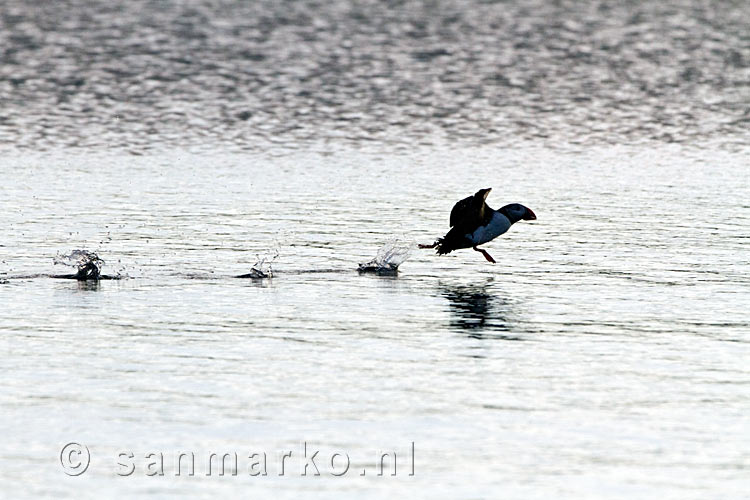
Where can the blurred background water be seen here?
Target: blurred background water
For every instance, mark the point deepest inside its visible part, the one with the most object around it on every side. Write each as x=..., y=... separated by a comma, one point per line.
x=251, y=75
x=604, y=355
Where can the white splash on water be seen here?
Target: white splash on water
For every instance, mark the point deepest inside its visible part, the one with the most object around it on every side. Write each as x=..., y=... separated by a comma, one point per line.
x=82, y=260
x=78, y=259
x=391, y=255
x=263, y=267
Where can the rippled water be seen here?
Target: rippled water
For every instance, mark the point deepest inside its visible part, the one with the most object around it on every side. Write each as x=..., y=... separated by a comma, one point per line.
x=604, y=355
x=250, y=75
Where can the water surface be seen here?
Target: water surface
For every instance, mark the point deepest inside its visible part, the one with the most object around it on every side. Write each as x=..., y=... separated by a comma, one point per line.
x=604, y=355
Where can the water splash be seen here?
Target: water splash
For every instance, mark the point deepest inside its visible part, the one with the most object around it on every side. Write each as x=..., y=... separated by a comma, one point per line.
x=88, y=266
x=391, y=255
x=80, y=259
x=263, y=267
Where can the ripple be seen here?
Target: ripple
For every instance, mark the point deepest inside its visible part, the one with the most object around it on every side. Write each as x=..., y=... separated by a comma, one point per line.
x=267, y=74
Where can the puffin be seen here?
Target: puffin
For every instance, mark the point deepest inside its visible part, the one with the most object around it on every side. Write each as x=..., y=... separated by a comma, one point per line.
x=473, y=223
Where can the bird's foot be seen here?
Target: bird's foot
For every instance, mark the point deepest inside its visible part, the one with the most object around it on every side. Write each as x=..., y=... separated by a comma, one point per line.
x=486, y=255
x=428, y=246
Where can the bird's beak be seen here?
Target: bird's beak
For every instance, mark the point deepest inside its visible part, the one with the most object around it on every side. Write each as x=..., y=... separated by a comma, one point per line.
x=529, y=215
x=487, y=192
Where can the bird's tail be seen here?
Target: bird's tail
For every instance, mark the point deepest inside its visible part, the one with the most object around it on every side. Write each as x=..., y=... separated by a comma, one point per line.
x=443, y=248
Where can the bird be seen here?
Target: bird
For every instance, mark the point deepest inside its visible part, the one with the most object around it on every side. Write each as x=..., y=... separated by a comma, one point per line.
x=474, y=223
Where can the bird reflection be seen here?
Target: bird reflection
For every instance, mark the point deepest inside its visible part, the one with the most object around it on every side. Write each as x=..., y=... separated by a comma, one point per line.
x=88, y=285
x=478, y=313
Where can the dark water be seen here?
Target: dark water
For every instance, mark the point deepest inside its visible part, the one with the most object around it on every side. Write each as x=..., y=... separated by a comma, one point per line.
x=139, y=75
x=603, y=356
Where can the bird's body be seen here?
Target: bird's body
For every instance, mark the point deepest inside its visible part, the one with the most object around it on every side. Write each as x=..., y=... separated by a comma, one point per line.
x=497, y=225
x=474, y=223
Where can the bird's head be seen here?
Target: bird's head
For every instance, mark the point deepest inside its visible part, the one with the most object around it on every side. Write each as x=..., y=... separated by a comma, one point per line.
x=515, y=212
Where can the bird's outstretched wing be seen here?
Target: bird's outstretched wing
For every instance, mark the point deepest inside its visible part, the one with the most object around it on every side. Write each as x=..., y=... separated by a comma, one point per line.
x=465, y=212
x=460, y=210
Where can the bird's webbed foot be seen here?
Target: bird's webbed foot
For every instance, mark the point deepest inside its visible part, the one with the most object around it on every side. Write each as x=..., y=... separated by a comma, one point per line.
x=486, y=255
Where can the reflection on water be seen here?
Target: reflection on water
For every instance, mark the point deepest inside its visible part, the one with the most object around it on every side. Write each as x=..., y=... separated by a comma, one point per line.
x=478, y=310
x=89, y=285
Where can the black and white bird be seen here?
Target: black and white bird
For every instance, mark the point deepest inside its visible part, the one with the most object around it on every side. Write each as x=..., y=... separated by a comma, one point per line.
x=473, y=223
